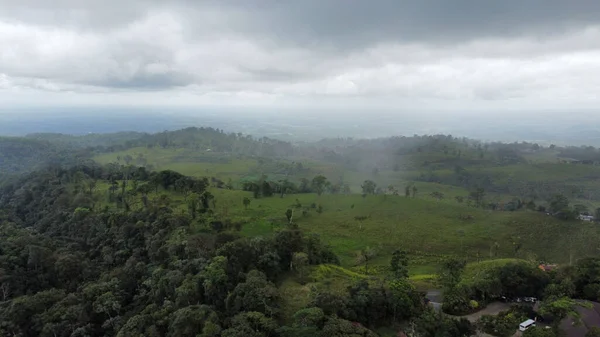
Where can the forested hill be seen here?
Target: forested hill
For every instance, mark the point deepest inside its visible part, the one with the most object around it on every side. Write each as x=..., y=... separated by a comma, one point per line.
x=19, y=155
x=25, y=154
x=89, y=140
x=215, y=140
x=204, y=139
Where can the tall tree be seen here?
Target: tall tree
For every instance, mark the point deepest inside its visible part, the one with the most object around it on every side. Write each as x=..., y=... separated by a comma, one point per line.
x=364, y=256
x=414, y=191
x=319, y=184
x=368, y=187
x=399, y=264
x=477, y=196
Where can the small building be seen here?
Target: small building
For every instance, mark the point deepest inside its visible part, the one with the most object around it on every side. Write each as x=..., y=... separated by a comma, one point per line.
x=547, y=267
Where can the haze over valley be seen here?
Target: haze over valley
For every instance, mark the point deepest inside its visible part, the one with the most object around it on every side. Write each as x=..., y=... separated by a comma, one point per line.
x=545, y=127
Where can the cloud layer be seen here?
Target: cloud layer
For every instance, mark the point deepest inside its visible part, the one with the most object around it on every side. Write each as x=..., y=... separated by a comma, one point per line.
x=466, y=54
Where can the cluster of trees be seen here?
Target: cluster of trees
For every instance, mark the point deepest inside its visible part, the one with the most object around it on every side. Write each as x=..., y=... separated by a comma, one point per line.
x=511, y=280
x=88, y=140
x=18, y=155
x=263, y=187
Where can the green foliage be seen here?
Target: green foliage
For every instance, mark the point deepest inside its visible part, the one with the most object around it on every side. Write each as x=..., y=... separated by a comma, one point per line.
x=20, y=155
x=319, y=184
x=399, y=264
x=450, y=272
x=560, y=308
x=541, y=332
x=251, y=324
x=255, y=294
x=593, y=332
x=502, y=324
x=434, y=324
x=368, y=187
x=246, y=202
x=339, y=327
x=309, y=317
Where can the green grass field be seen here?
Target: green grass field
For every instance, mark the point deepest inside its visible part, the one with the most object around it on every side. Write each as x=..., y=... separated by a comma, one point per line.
x=429, y=230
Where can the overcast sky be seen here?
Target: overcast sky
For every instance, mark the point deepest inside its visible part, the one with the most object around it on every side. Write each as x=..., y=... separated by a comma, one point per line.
x=434, y=54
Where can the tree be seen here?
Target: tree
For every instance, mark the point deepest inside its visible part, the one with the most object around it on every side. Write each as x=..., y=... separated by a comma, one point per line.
x=503, y=324
x=403, y=299
x=193, y=201
x=215, y=281
x=364, y=256
x=399, y=264
x=437, y=195
x=251, y=324
x=436, y=324
x=246, y=202
x=319, y=184
x=255, y=294
x=300, y=263
x=368, y=187
x=561, y=308
x=191, y=320
x=91, y=186
x=450, y=272
x=593, y=332
x=477, y=196
x=309, y=317
x=341, y=327
x=558, y=203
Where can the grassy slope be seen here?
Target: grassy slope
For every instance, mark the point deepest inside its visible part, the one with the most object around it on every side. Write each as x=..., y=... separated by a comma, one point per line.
x=226, y=166
x=478, y=270
x=426, y=227
x=187, y=162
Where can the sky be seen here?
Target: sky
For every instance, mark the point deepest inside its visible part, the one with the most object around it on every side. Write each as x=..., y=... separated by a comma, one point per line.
x=468, y=55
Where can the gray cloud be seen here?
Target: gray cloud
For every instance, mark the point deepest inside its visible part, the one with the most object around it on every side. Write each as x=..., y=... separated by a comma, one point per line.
x=358, y=23
x=530, y=52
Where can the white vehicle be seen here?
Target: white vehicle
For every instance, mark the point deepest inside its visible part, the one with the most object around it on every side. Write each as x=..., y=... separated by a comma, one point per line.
x=526, y=325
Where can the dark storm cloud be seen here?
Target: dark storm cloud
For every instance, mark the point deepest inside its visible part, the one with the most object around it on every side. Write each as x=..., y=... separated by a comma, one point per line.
x=356, y=23
x=334, y=22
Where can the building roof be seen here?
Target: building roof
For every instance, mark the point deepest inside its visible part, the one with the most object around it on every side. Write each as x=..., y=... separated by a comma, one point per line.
x=547, y=267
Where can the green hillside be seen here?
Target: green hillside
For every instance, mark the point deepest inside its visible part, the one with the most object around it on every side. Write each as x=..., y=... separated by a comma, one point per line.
x=428, y=229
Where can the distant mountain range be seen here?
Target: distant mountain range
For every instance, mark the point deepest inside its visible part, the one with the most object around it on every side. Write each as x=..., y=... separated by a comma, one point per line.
x=560, y=129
